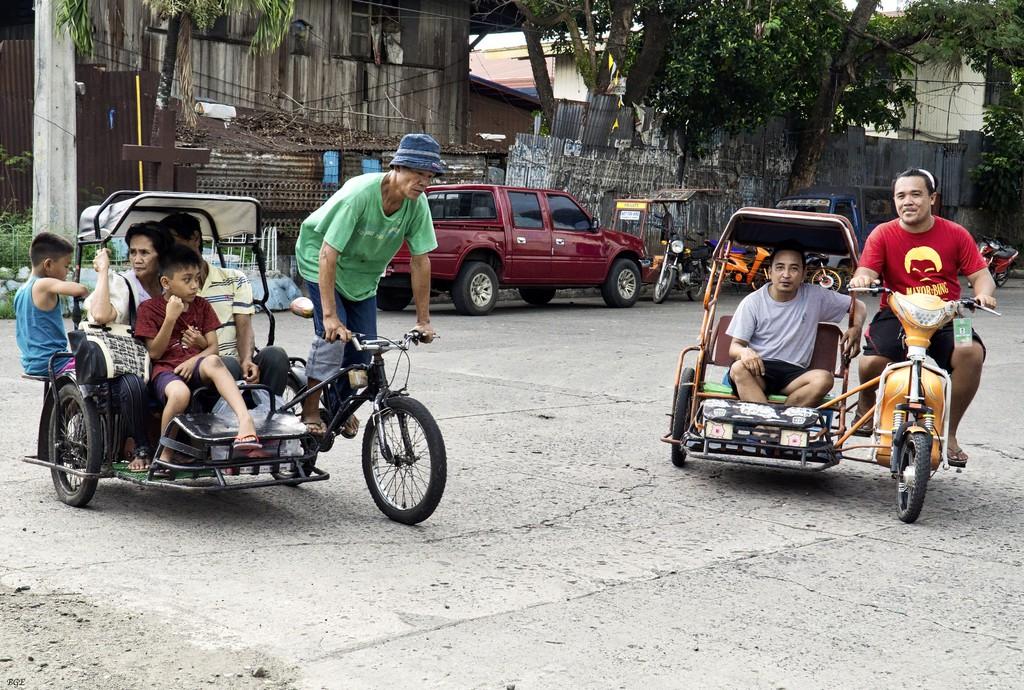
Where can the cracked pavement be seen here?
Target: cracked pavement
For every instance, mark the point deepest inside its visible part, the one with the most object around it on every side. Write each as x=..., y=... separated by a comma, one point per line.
x=567, y=551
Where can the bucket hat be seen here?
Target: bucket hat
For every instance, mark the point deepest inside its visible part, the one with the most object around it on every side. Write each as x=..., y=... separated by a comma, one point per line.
x=419, y=152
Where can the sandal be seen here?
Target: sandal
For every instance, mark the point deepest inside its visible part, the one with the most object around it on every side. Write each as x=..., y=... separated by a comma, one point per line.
x=142, y=456
x=351, y=427
x=956, y=458
x=247, y=442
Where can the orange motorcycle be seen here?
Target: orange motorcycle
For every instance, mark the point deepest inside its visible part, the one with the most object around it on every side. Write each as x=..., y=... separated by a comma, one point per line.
x=746, y=266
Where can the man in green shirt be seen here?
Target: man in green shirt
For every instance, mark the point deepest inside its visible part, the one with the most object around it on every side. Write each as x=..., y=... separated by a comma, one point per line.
x=343, y=249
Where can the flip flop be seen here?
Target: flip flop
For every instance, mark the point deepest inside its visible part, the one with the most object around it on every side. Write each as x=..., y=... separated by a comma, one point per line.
x=956, y=458
x=351, y=427
x=247, y=442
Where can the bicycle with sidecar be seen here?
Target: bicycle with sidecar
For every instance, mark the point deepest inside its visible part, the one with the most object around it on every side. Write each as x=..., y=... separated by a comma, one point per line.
x=908, y=426
x=83, y=430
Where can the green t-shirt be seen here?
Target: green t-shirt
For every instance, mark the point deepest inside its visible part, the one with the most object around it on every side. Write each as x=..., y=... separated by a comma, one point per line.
x=353, y=222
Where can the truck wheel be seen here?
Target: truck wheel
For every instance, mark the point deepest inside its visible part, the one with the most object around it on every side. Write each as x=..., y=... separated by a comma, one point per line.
x=537, y=296
x=622, y=286
x=475, y=291
x=393, y=298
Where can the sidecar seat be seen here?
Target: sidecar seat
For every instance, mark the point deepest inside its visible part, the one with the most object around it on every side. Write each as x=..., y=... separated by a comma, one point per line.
x=825, y=356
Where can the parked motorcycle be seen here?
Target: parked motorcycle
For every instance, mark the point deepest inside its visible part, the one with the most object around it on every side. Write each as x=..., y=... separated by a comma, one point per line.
x=682, y=267
x=999, y=256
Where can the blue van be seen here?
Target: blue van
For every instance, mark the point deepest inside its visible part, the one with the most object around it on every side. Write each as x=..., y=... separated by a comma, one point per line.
x=864, y=207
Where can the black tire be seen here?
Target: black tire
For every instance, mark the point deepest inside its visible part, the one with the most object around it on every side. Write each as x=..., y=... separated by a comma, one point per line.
x=681, y=415
x=666, y=279
x=395, y=482
x=537, y=296
x=1001, y=278
x=622, y=286
x=393, y=298
x=913, y=467
x=475, y=291
x=694, y=293
x=76, y=440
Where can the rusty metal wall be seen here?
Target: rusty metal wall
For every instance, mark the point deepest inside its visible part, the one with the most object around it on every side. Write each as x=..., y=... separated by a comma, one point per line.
x=106, y=119
x=16, y=76
x=493, y=116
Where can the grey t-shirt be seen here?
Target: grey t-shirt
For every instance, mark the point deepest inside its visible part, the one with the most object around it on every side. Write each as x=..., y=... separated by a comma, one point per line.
x=785, y=331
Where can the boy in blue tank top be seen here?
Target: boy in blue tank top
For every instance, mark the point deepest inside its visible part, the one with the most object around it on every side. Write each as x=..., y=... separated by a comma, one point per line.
x=39, y=325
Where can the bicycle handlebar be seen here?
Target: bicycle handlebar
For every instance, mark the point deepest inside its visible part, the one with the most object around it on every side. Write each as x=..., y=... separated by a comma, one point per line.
x=968, y=302
x=364, y=343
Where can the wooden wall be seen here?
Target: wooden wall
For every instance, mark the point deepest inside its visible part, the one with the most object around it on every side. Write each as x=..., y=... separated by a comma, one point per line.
x=428, y=92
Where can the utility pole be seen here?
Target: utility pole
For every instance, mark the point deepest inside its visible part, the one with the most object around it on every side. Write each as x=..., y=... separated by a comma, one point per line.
x=54, y=166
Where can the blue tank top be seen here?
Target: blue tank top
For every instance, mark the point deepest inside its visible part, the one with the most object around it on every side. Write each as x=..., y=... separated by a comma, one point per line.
x=39, y=333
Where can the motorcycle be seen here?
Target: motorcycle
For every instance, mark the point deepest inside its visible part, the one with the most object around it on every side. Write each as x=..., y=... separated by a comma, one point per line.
x=685, y=268
x=999, y=256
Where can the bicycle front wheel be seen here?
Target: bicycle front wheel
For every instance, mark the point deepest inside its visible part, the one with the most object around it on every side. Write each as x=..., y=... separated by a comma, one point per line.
x=404, y=461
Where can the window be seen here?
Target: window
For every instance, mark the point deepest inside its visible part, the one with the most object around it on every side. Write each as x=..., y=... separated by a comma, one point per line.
x=845, y=209
x=359, y=44
x=526, y=210
x=878, y=206
x=461, y=205
x=566, y=215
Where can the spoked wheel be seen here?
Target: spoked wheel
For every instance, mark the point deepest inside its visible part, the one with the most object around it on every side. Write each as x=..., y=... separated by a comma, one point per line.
x=701, y=274
x=681, y=415
x=913, y=467
x=828, y=279
x=666, y=277
x=404, y=461
x=76, y=441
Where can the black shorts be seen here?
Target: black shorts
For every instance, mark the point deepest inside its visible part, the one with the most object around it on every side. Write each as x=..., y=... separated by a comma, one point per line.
x=884, y=337
x=777, y=375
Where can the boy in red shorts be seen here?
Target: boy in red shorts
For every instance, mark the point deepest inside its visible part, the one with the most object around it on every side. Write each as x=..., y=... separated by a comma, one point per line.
x=170, y=324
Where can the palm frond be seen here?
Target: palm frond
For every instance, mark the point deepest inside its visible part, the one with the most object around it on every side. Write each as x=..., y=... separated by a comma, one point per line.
x=275, y=16
x=73, y=15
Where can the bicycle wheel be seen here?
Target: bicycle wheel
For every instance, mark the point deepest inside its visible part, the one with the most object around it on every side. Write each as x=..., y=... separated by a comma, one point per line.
x=828, y=279
x=404, y=461
x=76, y=441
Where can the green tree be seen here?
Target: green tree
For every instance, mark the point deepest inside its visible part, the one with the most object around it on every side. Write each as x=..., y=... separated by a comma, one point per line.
x=632, y=33
x=1000, y=175
x=732, y=66
x=274, y=17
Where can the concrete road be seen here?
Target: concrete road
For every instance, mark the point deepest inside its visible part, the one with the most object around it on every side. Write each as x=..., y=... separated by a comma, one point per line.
x=567, y=551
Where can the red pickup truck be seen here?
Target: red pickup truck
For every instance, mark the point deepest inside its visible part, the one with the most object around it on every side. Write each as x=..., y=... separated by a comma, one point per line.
x=537, y=240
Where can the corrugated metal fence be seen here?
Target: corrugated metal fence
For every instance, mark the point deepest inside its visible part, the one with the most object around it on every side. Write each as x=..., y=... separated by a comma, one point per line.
x=106, y=119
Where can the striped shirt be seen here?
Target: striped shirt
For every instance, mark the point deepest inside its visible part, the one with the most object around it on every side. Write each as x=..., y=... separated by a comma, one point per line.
x=229, y=292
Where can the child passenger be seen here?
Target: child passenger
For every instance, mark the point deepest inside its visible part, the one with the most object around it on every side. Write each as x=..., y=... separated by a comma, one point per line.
x=39, y=325
x=166, y=324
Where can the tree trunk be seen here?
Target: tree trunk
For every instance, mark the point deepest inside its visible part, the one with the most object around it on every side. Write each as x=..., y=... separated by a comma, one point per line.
x=163, y=90
x=657, y=29
x=830, y=90
x=619, y=30
x=540, y=71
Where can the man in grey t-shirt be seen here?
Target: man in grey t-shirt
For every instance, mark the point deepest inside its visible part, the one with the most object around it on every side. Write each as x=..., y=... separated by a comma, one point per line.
x=773, y=334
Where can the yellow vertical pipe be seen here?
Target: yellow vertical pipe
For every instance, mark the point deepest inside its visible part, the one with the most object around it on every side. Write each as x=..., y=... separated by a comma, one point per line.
x=138, y=119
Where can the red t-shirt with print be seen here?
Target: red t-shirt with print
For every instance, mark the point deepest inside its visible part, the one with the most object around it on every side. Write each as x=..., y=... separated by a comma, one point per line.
x=929, y=262
x=151, y=317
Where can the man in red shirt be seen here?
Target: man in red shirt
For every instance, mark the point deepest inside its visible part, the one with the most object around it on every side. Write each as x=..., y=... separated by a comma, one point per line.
x=919, y=252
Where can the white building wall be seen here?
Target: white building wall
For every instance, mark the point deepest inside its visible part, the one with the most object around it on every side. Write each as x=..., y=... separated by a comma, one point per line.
x=946, y=103
x=568, y=83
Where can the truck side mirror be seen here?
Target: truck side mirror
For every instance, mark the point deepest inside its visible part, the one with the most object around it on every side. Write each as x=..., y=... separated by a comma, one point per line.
x=595, y=224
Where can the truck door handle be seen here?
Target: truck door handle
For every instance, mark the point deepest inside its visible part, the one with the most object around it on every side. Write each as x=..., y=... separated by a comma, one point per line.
x=559, y=241
x=520, y=240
